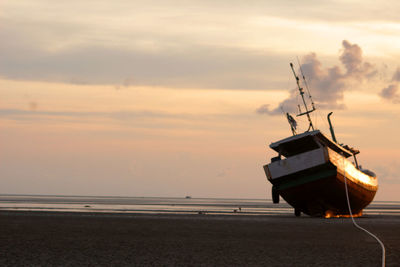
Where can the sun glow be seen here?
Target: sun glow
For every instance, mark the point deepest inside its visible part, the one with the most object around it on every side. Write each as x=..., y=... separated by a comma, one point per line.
x=330, y=214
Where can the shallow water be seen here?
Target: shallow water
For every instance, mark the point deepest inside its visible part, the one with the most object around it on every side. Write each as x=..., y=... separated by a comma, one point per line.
x=165, y=205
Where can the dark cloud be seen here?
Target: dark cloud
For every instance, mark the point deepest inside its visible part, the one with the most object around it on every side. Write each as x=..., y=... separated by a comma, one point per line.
x=327, y=85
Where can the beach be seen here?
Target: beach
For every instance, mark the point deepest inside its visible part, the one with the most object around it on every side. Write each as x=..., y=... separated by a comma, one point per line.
x=90, y=239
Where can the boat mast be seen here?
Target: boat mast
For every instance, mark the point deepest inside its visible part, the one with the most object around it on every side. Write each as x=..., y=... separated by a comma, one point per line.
x=307, y=112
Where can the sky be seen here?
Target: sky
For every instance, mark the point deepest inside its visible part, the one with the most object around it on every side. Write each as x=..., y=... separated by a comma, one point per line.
x=174, y=98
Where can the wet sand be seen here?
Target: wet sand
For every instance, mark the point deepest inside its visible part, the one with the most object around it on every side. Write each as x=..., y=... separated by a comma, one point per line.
x=92, y=239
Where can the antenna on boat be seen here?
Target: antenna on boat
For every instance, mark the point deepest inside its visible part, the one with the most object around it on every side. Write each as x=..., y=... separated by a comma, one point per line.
x=305, y=83
x=307, y=112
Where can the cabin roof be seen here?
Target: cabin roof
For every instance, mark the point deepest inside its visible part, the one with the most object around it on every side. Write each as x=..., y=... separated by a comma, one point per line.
x=307, y=141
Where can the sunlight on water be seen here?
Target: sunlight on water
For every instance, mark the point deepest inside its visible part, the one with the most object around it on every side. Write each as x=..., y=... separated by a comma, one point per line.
x=165, y=205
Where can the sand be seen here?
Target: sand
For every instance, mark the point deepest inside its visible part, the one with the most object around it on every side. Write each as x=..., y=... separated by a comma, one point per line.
x=92, y=239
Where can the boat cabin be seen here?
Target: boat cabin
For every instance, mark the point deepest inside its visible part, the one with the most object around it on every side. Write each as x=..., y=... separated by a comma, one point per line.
x=308, y=141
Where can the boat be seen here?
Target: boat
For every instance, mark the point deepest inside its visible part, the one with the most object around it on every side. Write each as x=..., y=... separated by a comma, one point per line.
x=315, y=174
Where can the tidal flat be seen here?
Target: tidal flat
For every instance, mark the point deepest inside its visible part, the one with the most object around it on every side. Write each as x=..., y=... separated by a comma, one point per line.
x=41, y=238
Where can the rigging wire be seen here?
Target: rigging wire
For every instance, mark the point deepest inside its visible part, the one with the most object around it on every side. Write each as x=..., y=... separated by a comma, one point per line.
x=305, y=82
x=318, y=113
x=322, y=118
x=354, y=222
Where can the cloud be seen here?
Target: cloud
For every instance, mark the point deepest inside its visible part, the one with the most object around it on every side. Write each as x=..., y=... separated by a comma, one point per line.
x=194, y=67
x=123, y=115
x=149, y=59
x=327, y=85
x=352, y=59
x=120, y=115
x=162, y=43
x=396, y=75
x=264, y=109
x=391, y=92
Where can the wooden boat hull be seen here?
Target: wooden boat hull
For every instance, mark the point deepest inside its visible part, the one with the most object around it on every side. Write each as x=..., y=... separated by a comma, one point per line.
x=313, y=183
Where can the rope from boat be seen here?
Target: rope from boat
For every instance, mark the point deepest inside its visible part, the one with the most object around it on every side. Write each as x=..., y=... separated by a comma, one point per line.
x=359, y=227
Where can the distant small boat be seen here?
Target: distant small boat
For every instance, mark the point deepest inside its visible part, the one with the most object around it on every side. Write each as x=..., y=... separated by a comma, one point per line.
x=188, y=197
x=311, y=169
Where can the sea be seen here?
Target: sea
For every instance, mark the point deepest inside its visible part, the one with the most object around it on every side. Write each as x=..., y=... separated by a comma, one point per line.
x=165, y=205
